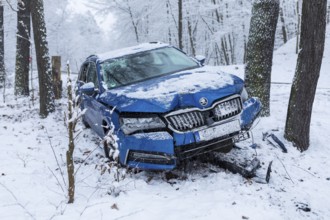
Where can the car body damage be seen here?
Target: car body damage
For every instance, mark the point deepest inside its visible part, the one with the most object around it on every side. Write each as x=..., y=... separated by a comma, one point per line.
x=164, y=106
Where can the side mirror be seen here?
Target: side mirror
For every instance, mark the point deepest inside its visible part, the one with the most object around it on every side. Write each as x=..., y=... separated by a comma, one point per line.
x=88, y=88
x=200, y=59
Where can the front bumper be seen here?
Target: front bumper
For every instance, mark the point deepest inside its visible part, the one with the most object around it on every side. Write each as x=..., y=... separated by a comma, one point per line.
x=163, y=151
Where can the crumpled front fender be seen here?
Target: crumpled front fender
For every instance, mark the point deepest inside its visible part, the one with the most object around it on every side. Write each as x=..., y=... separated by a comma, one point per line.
x=251, y=110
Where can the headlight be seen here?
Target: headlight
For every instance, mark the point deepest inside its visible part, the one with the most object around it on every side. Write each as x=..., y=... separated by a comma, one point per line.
x=244, y=95
x=130, y=125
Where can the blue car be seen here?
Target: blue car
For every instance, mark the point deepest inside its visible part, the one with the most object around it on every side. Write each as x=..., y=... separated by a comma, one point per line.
x=163, y=105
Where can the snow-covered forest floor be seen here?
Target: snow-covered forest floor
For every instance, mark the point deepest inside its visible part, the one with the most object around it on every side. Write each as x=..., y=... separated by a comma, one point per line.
x=32, y=186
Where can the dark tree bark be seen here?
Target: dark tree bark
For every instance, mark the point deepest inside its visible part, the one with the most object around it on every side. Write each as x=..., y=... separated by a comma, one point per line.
x=298, y=27
x=2, y=50
x=191, y=38
x=217, y=14
x=284, y=32
x=168, y=20
x=23, y=48
x=328, y=15
x=224, y=50
x=180, y=24
x=313, y=26
x=43, y=60
x=134, y=23
x=259, y=54
x=56, y=72
x=69, y=153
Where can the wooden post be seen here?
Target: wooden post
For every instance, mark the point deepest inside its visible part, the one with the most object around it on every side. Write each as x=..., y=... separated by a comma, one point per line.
x=56, y=72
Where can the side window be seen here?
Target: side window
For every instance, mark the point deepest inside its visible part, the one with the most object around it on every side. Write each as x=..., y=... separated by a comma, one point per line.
x=83, y=73
x=92, y=74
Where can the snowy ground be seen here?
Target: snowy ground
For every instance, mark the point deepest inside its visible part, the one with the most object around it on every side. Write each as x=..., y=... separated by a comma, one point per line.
x=32, y=187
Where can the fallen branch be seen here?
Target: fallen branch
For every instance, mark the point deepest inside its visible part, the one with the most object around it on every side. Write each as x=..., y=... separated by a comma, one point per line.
x=85, y=160
x=17, y=202
x=269, y=170
x=280, y=143
x=58, y=164
x=284, y=168
x=274, y=141
x=58, y=182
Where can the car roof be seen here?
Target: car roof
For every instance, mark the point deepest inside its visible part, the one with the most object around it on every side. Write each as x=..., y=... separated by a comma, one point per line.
x=129, y=50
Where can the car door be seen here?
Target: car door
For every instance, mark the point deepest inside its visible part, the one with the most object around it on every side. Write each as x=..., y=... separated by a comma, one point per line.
x=93, y=113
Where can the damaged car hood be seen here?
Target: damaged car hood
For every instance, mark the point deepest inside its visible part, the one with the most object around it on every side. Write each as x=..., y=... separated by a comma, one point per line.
x=179, y=90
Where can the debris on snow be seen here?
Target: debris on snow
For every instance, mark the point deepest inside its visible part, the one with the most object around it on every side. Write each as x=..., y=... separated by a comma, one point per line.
x=269, y=170
x=274, y=141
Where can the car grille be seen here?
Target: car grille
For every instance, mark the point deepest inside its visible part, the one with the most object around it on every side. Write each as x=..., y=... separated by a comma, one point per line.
x=184, y=120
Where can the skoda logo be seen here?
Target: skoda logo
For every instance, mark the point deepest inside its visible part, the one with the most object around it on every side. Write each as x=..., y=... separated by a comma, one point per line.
x=203, y=101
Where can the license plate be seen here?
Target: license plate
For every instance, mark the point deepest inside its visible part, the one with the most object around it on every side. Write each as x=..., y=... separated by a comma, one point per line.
x=219, y=130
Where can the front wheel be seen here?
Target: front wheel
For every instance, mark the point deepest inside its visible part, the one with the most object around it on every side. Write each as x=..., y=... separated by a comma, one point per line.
x=106, y=149
x=85, y=122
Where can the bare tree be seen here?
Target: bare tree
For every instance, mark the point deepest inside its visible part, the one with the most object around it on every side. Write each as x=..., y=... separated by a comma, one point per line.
x=2, y=50
x=134, y=22
x=23, y=48
x=214, y=28
x=43, y=60
x=71, y=127
x=180, y=24
x=328, y=14
x=311, y=47
x=259, y=56
x=298, y=27
x=284, y=32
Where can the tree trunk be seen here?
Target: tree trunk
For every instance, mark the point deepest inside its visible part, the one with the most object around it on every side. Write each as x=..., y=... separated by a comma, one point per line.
x=56, y=72
x=69, y=153
x=298, y=27
x=260, y=48
x=134, y=23
x=311, y=47
x=2, y=50
x=23, y=48
x=168, y=21
x=224, y=50
x=284, y=32
x=43, y=60
x=328, y=15
x=191, y=33
x=245, y=44
x=180, y=26
x=232, y=48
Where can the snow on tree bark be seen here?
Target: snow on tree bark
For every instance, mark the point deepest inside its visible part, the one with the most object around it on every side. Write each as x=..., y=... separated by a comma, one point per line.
x=23, y=48
x=2, y=50
x=259, y=54
x=69, y=154
x=311, y=47
x=43, y=60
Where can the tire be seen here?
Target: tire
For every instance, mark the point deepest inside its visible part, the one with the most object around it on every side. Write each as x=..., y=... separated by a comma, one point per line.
x=85, y=122
x=106, y=151
x=106, y=147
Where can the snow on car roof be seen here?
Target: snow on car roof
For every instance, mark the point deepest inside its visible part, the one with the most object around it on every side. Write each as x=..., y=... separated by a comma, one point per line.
x=131, y=50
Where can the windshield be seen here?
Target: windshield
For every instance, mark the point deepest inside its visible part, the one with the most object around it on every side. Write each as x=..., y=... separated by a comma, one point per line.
x=145, y=65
